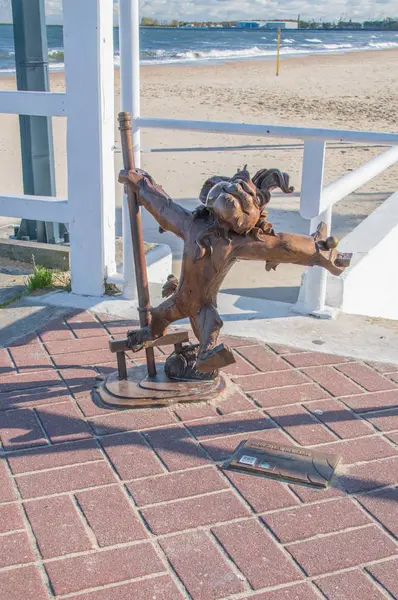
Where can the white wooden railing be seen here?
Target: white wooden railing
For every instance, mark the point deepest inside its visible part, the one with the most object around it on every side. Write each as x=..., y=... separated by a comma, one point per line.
x=316, y=201
x=88, y=104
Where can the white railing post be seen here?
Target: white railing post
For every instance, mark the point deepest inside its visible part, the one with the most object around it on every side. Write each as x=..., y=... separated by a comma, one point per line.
x=89, y=72
x=313, y=292
x=129, y=47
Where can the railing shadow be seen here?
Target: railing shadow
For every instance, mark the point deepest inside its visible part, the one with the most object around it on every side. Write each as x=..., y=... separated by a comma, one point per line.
x=173, y=438
x=190, y=439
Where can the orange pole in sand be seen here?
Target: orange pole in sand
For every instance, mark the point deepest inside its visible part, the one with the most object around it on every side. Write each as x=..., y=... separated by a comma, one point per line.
x=278, y=60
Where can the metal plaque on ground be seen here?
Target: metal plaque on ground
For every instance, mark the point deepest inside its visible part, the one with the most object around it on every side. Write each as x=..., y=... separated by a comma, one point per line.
x=285, y=463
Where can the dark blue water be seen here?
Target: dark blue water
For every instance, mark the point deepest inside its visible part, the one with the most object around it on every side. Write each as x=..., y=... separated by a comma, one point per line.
x=168, y=46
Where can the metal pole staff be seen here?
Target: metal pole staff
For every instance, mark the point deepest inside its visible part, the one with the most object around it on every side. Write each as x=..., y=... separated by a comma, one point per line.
x=136, y=235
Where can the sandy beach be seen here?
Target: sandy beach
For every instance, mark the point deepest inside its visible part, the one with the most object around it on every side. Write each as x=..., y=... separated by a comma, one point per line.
x=346, y=91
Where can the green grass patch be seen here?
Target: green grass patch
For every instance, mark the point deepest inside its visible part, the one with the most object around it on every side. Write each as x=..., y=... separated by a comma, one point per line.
x=40, y=279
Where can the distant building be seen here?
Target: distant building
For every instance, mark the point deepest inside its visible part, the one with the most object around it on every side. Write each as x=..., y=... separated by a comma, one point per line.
x=248, y=25
x=286, y=24
x=270, y=24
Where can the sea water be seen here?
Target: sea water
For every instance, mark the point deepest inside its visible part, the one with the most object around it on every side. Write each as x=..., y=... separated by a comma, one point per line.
x=197, y=46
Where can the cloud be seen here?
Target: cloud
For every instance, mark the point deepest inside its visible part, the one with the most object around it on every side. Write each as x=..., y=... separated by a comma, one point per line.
x=218, y=10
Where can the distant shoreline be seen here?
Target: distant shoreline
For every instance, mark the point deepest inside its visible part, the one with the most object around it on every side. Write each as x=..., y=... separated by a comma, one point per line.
x=240, y=29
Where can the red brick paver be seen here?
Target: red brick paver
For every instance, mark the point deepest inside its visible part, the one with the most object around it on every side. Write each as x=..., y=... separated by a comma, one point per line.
x=101, y=504
x=355, y=585
x=76, y=477
x=289, y=395
x=176, y=448
x=15, y=549
x=386, y=574
x=160, y=587
x=202, y=567
x=302, y=591
x=24, y=583
x=30, y=358
x=372, y=402
x=194, y=512
x=54, y=456
x=314, y=359
x=301, y=425
x=259, y=558
x=58, y=514
x=263, y=359
x=383, y=505
x=20, y=429
x=100, y=568
x=366, y=377
x=308, y=521
x=36, y=397
x=10, y=518
x=262, y=494
x=111, y=516
x=63, y=422
x=264, y=381
x=332, y=381
x=130, y=456
x=342, y=550
x=7, y=486
x=339, y=419
x=384, y=420
x=155, y=490
x=6, y=365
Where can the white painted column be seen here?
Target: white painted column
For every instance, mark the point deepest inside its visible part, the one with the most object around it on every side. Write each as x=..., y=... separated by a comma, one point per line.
x=89, y=71
x=129, y=45
x=313, y=292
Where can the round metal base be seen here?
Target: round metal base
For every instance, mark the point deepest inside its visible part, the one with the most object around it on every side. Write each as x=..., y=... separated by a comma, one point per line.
x=139, y=390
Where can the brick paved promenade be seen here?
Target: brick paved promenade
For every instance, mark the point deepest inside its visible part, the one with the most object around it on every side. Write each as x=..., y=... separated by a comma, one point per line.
x=130, y=505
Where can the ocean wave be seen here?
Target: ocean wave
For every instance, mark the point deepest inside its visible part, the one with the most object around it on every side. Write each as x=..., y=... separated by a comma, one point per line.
x=156, y=57
x=60, y=66
x=216, y=55
x=383, y=45
x=336, y=46
x=287, y=41
x=219, y=54
x=313, y=40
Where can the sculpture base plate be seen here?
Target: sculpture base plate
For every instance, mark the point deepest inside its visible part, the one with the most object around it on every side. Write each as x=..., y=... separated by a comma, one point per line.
x=139, y=390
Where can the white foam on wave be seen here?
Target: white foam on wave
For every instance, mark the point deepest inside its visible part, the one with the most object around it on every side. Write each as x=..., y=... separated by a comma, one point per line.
x=288, y=41
x=336, y=46
x=216, y=55
x=57, y=66
x=313, y=40
x=383, y=45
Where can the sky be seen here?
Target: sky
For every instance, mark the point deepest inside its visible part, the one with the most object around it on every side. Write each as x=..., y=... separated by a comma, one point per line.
x=217, y=10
